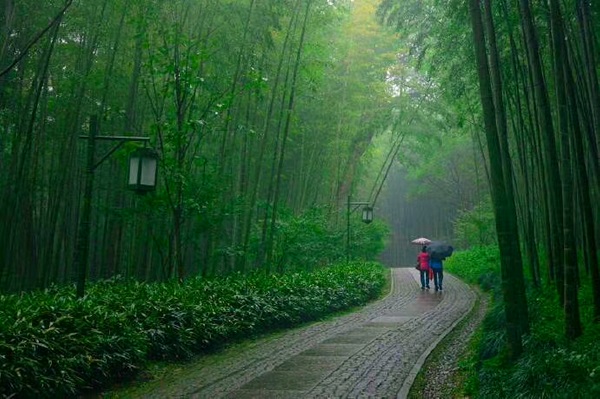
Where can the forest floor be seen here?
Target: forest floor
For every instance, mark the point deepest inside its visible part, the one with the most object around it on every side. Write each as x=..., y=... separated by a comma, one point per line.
x=376, y=351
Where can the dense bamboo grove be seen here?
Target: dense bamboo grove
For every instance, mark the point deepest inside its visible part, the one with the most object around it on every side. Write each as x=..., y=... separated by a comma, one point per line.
x=531, y=68
x=258, y=111
x=268, y=114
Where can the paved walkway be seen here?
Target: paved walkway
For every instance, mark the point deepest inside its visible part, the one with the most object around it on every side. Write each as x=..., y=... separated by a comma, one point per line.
x=375, y=352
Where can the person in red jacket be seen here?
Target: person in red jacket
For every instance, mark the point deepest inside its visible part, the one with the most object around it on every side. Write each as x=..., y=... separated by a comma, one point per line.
x=423, y=263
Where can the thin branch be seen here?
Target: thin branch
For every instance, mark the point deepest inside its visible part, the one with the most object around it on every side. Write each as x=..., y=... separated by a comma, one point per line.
x=35, y=39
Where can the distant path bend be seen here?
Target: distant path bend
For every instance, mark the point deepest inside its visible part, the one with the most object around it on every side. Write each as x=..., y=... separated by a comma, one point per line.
x=374, y=352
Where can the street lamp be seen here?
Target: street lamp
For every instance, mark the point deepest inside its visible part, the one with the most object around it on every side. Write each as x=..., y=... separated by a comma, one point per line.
x=367, y=217
x=142, y=177
x=367, y=214
x=143, y=169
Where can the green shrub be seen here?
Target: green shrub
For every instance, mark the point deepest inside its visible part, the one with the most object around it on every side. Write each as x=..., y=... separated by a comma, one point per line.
x=310, y=240
x=478, y=265
x=53, y=345
x=476, y=227
x=550, y=366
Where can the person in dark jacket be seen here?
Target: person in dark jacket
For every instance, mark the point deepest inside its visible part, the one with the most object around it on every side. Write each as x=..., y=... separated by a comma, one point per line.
x=423, y=263
x=437, y=266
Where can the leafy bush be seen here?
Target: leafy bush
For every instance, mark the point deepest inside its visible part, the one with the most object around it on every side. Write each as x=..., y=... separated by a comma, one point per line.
x=53, y=345
x=476, y=227
x=478, y=265
x=310, y=240
x=551, y=366
x=368, y=240
x=307, y=240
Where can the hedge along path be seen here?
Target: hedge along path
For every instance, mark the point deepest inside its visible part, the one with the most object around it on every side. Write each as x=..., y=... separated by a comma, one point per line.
x=373, y=352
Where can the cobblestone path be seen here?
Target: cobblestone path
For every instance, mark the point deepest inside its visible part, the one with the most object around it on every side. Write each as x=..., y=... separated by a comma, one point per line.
x=372, y=353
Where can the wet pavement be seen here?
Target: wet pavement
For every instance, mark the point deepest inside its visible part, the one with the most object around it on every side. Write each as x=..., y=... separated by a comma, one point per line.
x=374, y=352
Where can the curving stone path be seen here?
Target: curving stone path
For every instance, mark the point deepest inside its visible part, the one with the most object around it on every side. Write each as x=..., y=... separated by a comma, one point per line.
x=375, y=352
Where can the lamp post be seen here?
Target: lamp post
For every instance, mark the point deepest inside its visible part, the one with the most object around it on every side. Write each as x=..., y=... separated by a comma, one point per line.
x=142, y=178
x=367, y=217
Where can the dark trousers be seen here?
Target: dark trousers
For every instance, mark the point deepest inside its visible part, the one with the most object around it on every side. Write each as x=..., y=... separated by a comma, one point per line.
x=438, y=278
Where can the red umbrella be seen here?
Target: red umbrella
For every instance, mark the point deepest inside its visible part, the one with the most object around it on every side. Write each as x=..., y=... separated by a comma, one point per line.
x=421, y=241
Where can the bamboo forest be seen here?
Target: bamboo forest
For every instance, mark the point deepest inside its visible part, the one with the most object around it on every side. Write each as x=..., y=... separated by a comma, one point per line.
x=178, y=177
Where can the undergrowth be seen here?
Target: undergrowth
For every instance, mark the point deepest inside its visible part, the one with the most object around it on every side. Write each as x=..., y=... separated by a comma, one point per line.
x=54, y=345
x=550, y=366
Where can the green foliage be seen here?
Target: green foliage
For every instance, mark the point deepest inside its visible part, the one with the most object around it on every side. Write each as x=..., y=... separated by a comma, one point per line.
x=210, y=84
x=469, y=365
x=311, y=240
x=308, y=240
x=53, y=345
x=479, y=265
x=368, y=240
x=476, y=227
x=551, y=366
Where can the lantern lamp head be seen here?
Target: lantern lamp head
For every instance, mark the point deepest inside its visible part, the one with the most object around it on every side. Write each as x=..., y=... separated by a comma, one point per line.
x=143, y=168
x=367, y=214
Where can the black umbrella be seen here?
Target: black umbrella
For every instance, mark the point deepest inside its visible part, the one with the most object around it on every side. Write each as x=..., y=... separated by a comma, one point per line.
x=439, y=250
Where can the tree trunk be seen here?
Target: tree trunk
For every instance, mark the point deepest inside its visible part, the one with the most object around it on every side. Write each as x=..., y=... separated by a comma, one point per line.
x=251, y=204
x=498, y=186
x=586, y=208
x=286, y=131
x=561, y=69
x=548, y=145
x=514, y=275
